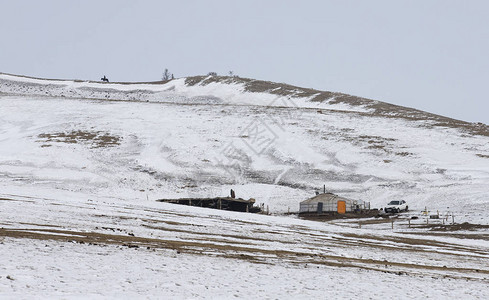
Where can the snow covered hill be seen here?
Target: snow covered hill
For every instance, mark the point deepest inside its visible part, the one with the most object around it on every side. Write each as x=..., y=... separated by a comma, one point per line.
x=79, y=156
x=204, y=135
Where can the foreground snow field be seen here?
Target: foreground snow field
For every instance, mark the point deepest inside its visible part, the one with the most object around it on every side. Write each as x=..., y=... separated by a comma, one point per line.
x=65, y=270
x=111, y=248
x=78, y=180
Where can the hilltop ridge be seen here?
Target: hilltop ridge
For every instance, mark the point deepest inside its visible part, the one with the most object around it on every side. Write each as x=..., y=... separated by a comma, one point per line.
x=279, y=93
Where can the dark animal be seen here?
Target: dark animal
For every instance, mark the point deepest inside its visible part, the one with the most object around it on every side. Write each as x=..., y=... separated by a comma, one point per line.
x=104, y=79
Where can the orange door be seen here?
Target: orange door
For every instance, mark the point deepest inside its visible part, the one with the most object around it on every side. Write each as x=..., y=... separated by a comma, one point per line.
x=341, y=207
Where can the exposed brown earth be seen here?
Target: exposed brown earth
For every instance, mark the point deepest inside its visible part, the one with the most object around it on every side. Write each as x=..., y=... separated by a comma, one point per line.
x=454, y=227
x=96, y=139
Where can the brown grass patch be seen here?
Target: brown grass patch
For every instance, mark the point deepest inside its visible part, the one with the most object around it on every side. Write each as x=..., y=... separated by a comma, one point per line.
x=96, y=139
x=453, y=227
x=403, y=154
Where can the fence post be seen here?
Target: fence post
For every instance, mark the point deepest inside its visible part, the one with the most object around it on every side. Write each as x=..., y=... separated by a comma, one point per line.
x=392, y=224
x=409, y=223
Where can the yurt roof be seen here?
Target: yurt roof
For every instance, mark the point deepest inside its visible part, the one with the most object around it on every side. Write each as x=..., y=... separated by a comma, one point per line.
x=325, y=197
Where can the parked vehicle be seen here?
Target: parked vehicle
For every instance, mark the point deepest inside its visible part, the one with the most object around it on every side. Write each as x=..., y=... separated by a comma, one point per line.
x=396, y=206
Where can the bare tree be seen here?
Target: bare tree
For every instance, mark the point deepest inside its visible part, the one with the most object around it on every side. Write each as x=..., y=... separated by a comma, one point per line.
x=167, y=75
x=231, y=73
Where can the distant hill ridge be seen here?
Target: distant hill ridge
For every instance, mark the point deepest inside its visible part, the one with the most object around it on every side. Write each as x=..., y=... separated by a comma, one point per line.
x=26, y=85
x=379, y=108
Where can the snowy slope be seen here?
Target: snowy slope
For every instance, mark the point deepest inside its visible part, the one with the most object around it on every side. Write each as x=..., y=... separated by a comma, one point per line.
x=279, y=154
x=80, y=156
x=113, y=248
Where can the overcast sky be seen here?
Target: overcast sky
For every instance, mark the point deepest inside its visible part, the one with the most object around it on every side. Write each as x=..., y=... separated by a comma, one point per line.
x=430, y=55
